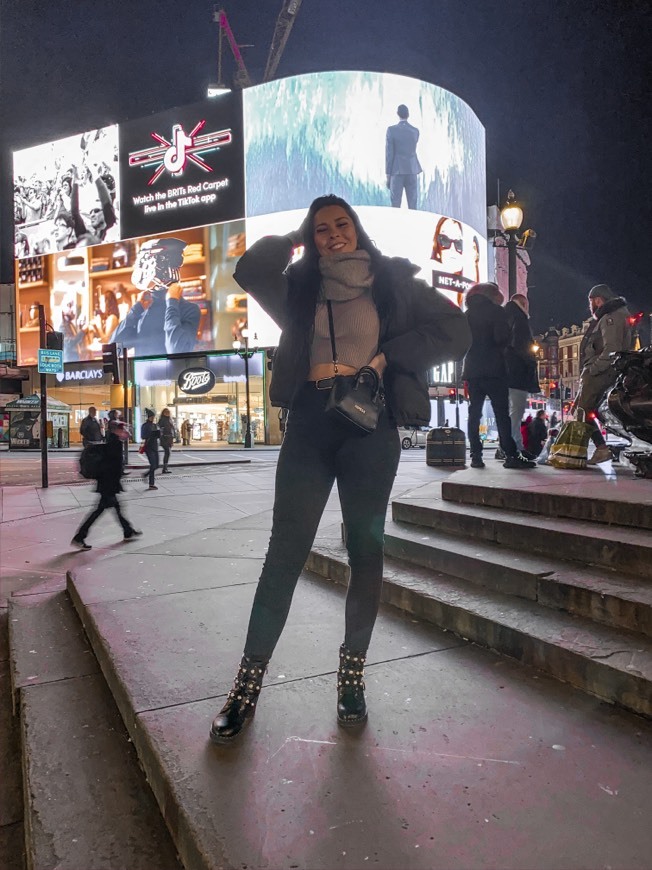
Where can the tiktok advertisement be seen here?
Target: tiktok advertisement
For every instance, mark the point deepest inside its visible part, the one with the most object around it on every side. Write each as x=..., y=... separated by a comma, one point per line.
x=183, y=167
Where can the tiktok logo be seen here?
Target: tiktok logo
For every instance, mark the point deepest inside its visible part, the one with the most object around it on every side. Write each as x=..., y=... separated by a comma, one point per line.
x=174, y=155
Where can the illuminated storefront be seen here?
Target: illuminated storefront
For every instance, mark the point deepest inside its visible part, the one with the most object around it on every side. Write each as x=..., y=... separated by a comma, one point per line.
x=209, y=392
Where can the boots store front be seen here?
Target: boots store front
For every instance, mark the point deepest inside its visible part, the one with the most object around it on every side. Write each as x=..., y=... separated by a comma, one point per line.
x=208, y=394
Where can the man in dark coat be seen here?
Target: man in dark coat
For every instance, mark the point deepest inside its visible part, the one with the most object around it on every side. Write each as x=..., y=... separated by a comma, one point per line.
x=485, y=372
x=401, y=162
x=521, y=362
x=108, y=486
x=609, y=333
x=90, y=429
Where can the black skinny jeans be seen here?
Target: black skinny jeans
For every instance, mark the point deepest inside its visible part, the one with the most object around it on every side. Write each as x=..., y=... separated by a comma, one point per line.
x=496, y=390
x=316, y=451
x=152, y=457
x=105, y=503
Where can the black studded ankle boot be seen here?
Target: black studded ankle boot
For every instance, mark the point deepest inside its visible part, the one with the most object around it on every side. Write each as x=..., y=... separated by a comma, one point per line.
x=241, y=702
x=351, y=704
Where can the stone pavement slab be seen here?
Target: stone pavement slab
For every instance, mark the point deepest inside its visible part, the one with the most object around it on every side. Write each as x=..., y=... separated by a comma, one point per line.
x=466, y=761
x=249, y=543
x=174, y=648
x=139, y=575
x=88, y=766
x=11, y=805
x=47, y=641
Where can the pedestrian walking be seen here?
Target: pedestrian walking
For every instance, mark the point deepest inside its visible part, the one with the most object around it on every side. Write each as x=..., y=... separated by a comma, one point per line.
x=108, y=486
x=186, y=430
x=609, y=332
x=150, y=433
x=90, y=428
x=343, y=308
x=166, y=425
x=485, y=372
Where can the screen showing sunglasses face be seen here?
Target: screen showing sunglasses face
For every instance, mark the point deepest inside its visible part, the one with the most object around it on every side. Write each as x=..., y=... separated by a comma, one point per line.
x=445, y=242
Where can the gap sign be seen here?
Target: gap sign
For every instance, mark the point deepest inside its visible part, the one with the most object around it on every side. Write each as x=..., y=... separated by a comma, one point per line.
x=50, y=362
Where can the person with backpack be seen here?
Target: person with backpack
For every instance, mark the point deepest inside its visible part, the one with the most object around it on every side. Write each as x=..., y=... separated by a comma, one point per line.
x=108, y=470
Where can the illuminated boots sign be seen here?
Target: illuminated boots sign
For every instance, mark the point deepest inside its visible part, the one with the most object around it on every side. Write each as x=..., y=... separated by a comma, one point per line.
x=183, y=168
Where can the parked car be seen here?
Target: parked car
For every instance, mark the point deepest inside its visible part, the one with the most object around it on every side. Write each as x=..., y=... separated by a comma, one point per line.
x=413, y=436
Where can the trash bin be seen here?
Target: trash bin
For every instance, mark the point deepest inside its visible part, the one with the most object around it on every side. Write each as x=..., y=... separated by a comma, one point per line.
x=446, y=447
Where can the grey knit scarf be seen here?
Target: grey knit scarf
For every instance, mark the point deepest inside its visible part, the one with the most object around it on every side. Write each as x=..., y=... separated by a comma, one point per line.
x=345, y=276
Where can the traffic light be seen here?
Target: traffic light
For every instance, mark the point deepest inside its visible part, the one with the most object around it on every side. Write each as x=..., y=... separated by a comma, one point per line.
x=54, y=340
x=554, y=390
x=452, y=395
x=110, y=361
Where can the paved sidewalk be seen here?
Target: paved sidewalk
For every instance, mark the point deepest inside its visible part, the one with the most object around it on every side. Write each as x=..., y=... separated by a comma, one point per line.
x=468, y=761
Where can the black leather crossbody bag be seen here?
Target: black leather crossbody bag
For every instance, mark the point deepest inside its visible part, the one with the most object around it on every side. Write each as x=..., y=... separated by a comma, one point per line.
x=355, y=400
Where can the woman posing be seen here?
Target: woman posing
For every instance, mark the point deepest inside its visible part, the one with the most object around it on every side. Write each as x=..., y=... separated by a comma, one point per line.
x=383, y=318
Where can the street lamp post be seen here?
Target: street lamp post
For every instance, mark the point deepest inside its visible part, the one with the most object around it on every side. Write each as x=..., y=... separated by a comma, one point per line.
x=511, y=217
x=246, y=355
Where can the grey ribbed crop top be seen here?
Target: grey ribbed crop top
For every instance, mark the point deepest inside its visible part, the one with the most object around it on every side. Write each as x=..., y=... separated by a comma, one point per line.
x=357, y=332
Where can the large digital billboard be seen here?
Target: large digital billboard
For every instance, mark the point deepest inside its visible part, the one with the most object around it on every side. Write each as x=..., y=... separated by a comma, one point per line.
x=107, y=218
x=183, y=168
x=67, y=193
x=341, y=132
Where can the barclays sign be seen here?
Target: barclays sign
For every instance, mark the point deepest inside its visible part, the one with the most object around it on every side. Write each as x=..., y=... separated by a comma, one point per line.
x=196, y=381
x=76, y=376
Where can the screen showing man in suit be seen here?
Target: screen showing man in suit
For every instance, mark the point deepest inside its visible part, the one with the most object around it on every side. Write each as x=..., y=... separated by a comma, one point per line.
x=401, y=162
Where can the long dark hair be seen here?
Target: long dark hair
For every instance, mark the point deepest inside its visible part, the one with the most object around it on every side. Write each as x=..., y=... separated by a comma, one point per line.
x=110, y=304
x=304, y=277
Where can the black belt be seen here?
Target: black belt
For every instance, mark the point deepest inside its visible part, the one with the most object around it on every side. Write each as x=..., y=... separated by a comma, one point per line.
x=323, y=383
x=327, y=383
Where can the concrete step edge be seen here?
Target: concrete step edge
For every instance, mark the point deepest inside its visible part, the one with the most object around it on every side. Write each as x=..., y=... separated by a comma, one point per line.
x=548, y=503
x=181, y=826
x=616, y=602
x=48, y=844
x=626, y=550
x=497, y=628
x=506, y=516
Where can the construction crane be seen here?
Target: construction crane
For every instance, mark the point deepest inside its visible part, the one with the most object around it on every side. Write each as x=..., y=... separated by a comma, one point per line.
x=284, y=24
x=241, y=78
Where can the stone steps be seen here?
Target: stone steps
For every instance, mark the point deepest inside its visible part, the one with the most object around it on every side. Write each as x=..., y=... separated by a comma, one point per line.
x=76, y=751
x=625, y=550
x=553, y=570
x=612, y=664
x=577, y=495
x=612, y=598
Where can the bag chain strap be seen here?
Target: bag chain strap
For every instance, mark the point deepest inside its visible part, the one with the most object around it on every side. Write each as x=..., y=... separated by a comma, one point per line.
x=331, y=329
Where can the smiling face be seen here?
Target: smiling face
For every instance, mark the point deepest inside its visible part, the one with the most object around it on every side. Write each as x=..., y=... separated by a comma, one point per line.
x=334, y=231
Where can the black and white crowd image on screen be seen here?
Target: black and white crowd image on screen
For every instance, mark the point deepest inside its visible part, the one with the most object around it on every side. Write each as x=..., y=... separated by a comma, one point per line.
x=66, y=193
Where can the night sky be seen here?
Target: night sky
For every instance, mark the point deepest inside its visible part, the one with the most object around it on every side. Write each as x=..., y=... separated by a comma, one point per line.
x=561, y=87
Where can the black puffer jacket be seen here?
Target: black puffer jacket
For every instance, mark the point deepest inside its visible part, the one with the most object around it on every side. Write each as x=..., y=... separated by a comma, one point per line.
x=489, y=338
x=519, y=356
x=424, y=330
x=108, y=481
